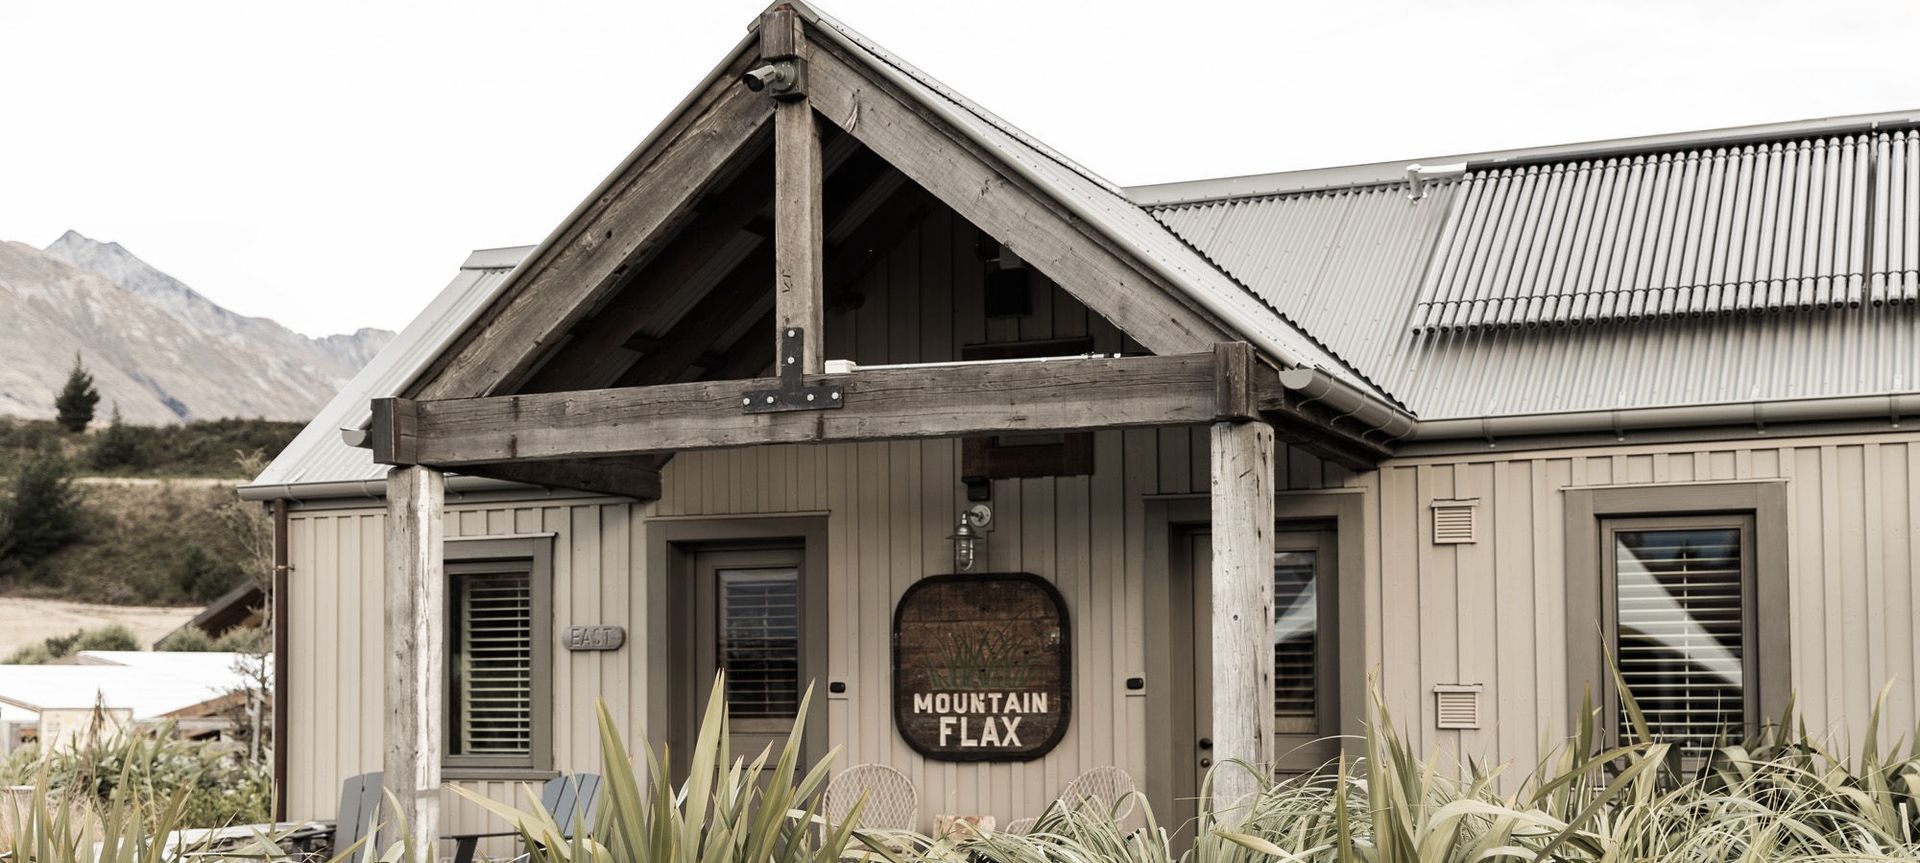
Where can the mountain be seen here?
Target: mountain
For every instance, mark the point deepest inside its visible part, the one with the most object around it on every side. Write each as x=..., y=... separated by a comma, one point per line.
x=156, y=347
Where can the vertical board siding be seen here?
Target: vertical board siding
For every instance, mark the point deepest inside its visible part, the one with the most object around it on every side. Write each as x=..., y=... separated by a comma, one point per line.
x=336, y=642
x=1493, y=612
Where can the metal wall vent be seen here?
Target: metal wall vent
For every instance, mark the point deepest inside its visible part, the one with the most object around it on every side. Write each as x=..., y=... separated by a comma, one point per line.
x=1453, y=521
x=1456, y=705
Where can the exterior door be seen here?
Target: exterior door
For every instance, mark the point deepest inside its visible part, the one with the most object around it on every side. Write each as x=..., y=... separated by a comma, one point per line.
x=748, y=623
x=1304, y=709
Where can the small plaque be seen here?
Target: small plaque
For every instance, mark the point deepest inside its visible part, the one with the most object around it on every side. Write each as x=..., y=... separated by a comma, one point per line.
x=596, y=637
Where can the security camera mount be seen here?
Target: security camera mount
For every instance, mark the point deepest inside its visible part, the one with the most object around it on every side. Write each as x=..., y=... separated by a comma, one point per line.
x=784, y=79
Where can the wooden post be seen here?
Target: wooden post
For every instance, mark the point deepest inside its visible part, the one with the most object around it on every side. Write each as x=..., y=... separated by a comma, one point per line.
x=797, y=220
x=1242, y=610
x=416, y=590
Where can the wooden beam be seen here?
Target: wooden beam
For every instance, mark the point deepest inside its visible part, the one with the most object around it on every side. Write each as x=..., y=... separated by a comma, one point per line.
x=700, y=329
x=637, y=477
x=631, y=219
x=595, y=354
x=797, y=204
x=881, y=404
x=415, y=664
x=977, y=186
x=1242, y=595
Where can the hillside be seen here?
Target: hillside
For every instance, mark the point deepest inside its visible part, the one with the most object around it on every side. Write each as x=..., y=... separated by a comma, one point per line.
x=160, y=351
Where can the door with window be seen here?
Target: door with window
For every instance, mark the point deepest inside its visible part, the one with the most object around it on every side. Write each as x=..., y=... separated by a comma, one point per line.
x=748, y=623
x=1305, y=700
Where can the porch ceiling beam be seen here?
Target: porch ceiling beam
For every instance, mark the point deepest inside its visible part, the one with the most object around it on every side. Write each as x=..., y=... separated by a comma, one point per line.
x=881, y=404
x=630, y=220
x=636, y=477
x=1074, y=255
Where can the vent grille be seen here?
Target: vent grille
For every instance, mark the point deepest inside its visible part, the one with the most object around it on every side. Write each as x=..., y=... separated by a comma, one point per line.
x=1456, y=705
x=1453, y=521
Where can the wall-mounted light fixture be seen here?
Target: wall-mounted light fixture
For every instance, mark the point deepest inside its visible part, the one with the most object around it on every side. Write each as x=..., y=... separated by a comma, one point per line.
x=968, y=538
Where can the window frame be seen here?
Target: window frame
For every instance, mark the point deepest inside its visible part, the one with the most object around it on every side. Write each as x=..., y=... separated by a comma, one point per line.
x=1594, y=513
x=475, y=556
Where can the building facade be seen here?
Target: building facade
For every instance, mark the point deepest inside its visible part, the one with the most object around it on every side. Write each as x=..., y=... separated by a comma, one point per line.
x=1650, y=399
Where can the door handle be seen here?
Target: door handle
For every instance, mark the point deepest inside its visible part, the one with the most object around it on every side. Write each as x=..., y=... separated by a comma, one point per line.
x=1206, y=743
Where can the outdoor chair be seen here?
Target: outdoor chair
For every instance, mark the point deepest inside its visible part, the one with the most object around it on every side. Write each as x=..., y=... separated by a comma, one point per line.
x=891, y=802
x=571, y=800
x=1020, y=826
x=1110, y=789
x=361, y=798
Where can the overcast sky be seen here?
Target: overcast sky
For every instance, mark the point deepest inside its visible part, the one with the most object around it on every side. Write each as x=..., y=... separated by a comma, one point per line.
x=330, y=164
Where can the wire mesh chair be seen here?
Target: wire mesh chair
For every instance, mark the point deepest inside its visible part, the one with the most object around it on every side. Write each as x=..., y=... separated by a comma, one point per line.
x=891, y=802
x=1107, y=790
x=1020, y=826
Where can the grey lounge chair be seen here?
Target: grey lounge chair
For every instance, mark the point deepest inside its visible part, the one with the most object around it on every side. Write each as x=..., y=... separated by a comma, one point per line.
x=571, y=800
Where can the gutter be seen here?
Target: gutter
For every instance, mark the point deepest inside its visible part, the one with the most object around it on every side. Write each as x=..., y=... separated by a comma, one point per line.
x=371, y=489
x=1493, y=429
x=1348, y=402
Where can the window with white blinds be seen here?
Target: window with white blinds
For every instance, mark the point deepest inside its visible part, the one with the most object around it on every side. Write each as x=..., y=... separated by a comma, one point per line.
x=492, y=636
x=1296, y=641
x=1682, y=620
x=760, y=642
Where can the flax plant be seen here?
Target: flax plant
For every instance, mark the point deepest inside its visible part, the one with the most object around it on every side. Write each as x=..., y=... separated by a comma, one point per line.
x=728, y=810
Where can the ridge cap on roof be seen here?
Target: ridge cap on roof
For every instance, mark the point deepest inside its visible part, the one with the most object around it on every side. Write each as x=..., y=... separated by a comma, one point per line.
x=1184, y=192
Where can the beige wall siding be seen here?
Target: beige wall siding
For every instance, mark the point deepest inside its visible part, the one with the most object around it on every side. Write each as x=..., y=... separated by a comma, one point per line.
x=1494, y=612
x=336, y=642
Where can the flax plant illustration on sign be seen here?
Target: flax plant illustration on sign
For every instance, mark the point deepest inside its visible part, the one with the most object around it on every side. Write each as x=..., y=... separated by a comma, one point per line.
x=984, y=658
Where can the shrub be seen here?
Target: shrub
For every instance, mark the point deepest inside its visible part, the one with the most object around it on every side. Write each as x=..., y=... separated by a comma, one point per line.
x=202, y=577
x=189, y=639
x=76, y=401
x=41, y=514
x=174, y=783
x=120, y=447
x=113, y=636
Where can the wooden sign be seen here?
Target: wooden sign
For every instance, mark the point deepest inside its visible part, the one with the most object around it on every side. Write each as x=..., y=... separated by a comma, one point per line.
x=981, y=667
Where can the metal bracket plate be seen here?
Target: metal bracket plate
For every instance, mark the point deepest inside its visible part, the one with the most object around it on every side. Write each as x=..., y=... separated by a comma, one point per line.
x=793, y=394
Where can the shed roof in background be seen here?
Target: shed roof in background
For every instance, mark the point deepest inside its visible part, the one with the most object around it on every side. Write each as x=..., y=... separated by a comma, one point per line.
x=151, y=684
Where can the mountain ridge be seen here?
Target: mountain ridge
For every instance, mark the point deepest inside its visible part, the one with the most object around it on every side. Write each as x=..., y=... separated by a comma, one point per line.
x=158, y=350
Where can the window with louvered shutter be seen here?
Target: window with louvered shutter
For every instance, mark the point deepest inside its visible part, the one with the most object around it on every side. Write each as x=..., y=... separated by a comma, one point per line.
x=493, y=664
x=1296, y=641
x=499, y=656
x=1682, y=626
x=760, y=642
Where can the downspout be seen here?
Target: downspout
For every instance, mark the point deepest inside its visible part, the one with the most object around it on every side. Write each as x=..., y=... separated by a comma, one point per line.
x=277, y=602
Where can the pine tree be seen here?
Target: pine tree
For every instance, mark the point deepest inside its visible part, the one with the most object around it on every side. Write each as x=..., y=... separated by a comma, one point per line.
x=77, y=400
x=119, y=446
x=42, y=514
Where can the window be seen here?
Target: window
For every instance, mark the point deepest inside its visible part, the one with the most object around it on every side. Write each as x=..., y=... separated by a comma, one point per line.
x=499, y=656
x=760, y=642
x=1685, y=587
x=1298, y=634
x=1681, y=597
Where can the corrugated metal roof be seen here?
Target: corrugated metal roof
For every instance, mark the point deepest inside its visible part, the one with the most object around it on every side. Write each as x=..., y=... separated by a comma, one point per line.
x=1349, y=265
x=147, y=689
x=318, y=454
x=1779, y=226
x=1317, y=255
